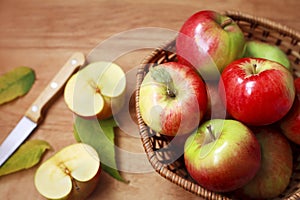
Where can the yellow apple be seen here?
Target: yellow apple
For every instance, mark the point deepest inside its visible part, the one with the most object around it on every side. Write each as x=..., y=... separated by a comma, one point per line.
x=72, y=173
x=96, y=90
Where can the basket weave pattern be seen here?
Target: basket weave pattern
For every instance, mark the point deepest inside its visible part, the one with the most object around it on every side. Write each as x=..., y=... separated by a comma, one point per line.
x=165, y=159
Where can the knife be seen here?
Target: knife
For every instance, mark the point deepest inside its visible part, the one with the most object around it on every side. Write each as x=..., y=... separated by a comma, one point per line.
x=34, y=115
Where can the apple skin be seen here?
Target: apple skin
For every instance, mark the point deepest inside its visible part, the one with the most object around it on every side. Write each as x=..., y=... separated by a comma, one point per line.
x=173, y=115
x=290, y=124
x=258, y=95
x=224, y=164
x=276, y=168
x=202, y=42
x=259, y=49
x=86, y=188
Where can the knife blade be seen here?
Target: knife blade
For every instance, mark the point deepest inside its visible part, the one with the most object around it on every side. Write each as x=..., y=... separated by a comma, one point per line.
x=34, y=114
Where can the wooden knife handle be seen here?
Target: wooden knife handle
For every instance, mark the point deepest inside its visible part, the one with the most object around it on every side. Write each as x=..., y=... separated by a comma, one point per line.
x=35, y=111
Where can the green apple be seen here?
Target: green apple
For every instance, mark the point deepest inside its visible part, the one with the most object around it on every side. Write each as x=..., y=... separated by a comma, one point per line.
x=276, y=168
x=257, y=49
x=72, y=173
x=96, y=90
x=222, y=155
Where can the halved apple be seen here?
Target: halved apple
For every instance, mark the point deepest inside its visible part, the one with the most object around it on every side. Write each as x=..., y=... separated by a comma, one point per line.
x=96, y=90
x=72, y=173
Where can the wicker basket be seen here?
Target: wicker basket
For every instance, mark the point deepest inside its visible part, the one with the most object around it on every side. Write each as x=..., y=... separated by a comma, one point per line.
x=164, y=158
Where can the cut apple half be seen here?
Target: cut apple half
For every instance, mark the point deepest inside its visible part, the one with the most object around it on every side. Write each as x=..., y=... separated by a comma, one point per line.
x=65, y=174
x=92, y=90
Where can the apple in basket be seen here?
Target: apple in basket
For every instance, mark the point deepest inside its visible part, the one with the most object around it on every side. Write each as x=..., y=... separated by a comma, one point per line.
x=172, y=99
x=209, y=41
x=72, y=173
x=222, y=155
x=257, y=91
x=259, y=49
x=98, y=90
x=290, y=124
x=276, y=167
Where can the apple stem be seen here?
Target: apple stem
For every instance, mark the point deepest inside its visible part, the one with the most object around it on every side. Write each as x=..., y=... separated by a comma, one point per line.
x=67, y=171
x=170, y=91
x=226, y=22
x=77, y=188
x=161, y=75
x=210, y=131
x=254, y=66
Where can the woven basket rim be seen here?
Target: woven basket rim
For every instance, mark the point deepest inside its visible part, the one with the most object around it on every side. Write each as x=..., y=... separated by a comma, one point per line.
x=143, y=129
x=283, y=29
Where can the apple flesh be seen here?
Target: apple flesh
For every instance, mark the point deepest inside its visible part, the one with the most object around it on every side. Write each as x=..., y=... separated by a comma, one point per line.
x=290, y=124
x=257, y=91
x=259, y=49
x=209, y=41
x=276, y=168
x=72, y=173
x=222, y=155
x=96, y=90
x=174, y=103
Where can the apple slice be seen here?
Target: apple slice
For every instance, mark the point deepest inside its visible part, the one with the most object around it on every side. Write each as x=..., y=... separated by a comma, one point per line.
x=73, y=172
x=96, y=90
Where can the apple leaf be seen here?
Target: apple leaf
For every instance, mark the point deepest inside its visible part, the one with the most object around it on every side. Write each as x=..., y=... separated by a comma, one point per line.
x=15, y=83
x=100, y=135
x=28, y=155
x=161, y=75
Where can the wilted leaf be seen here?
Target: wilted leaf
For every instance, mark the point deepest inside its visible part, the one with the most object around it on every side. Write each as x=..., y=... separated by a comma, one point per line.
x=28, y=155
x=15, y=83
x=100, y=135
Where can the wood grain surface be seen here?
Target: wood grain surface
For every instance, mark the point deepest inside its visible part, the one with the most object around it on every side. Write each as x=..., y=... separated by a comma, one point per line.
x=43, y=34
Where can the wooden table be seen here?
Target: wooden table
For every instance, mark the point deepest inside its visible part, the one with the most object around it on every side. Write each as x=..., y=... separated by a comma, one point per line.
x=43, y=34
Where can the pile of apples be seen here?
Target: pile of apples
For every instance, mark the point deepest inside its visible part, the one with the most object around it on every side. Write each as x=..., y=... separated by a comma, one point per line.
x=236, y=102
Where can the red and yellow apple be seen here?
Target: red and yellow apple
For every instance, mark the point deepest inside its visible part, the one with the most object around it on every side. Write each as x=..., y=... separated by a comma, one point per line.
x=172, y=99
x=257, y=91
x=209, y=41
x=72, y=173
x=222, y=155
x=275, y=172
x=290, y=124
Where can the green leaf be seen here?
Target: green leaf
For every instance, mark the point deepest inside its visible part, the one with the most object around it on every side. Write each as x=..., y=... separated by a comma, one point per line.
x=100, y=135
x=28, y=155
x=15, y=83
x=161, y=75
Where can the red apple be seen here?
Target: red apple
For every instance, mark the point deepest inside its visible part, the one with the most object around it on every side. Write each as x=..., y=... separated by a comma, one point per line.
x=172, y=99
x=276, y=166
x=290, y=124
x=222, y=155
x=257, y=91
x=209, y=41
